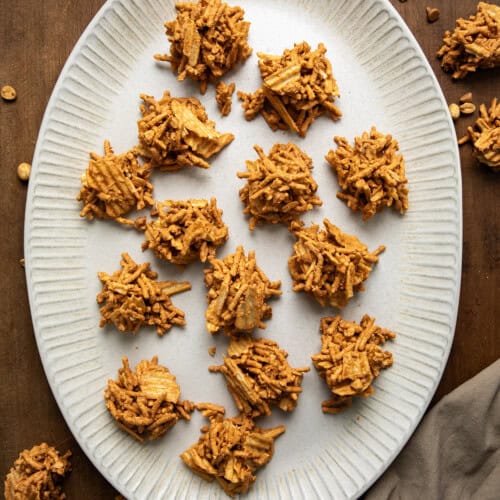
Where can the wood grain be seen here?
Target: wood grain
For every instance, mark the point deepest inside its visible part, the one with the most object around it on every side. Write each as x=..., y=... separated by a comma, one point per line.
x=35, y=39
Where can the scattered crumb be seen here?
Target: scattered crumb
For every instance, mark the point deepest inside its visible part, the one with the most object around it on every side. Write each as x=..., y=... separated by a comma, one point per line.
x=145, y=402
x=8, y=93
x=185, y=231
x=207, y=39
x=21, y=262
x=237, y=294
x=37, y=474
x=212, y=351
x=466, y=97
x=230, y=450
x=350, y=359
x=224, y=97
x=329, y=264
x=132, y=297
x=258, y=375
x=176, y=133
x=279, y=186
x=298, y=87
x=371, y=173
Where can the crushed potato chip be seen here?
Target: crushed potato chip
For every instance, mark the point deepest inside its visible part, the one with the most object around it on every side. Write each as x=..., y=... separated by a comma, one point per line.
x=145, y=402
x=207, y=39
x=184, y=231
x=238, y=290
x=329, y=264
x=230, y=450
x=175, y=132
x=132, y=297
x=298, y=87
x=279, y=186
x=113, y=185
x=485, y=135
x=224, y=97
x=371, y=173
x=258, y=375
x=37, y=473
x=474, y=44
x=350, y=358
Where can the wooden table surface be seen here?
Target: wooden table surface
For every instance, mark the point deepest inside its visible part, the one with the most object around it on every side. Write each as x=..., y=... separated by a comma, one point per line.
x=35, y=40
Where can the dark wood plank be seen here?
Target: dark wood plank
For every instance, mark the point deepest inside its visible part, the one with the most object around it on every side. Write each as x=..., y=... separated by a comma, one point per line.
x=36, y=38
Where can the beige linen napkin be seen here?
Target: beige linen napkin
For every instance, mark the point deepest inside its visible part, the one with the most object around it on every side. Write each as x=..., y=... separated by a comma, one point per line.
x=455, y=452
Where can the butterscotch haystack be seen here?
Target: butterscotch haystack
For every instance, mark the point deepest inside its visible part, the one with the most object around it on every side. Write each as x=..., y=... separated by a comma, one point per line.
x=175, y=132
x=237, y=294
x=371, y=173
x=132, y=297
x=113, y=185
x=485, y=135
x=258, y=376
x=145, y=402
x=329, y=264
x=474, y=44
x=230, y=450
x=37, y=474
x=207, y=39
x=184, y=231
x=298, y=86
x=279, y=186
x=224, y=97
x=350, y=359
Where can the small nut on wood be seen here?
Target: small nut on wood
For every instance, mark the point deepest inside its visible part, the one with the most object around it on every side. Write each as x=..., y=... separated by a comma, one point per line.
x=8, y=93
x=432, y=14
x=454, y=111
x=23, y=171
x=466, y=97
x=467, y=108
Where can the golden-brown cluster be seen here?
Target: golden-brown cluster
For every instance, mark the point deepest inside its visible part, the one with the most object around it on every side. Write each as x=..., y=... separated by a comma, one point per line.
x=37, y=474
x=175, y=132
x=207, y=39
x=371, y=173
x=474, y=44
x=258, y=375
x=185, y=231
x=133, y=297
x=237, y=294
x=224, y=97
x=145, y=402
x=485, y=135
x=298, y=87
x=279, y=186
x=329, y=264
x=350, y=358
x=230, y=450
x=113, y=185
